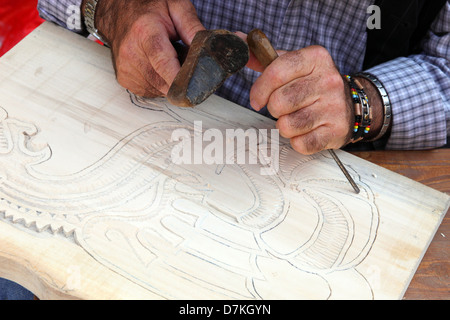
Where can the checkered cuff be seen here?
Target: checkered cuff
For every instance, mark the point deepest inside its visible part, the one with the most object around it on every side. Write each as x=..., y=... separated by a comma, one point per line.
x=419, y=110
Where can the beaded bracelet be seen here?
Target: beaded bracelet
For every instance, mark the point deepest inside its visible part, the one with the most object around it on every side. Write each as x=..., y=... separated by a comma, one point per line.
x=387, y=119
x=363, y=114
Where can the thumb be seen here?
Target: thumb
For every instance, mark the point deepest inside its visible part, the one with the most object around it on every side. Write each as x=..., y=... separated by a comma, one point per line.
x=185, y=19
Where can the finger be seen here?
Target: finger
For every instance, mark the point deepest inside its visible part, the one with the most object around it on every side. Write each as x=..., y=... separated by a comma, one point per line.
x=313, y=141
x=299, y=122
x=289, y=66
x=137, y=84
x=133, y=72
x=148, y=49
x=293, y=96
x=138, y=89
x=162, y=56
x=185, y=19
x=150, y=82
x=256, y=65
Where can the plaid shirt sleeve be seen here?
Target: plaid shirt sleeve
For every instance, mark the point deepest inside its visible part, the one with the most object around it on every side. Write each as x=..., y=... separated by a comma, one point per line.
x=66, y=13
x=419, y=89
x=418, y=86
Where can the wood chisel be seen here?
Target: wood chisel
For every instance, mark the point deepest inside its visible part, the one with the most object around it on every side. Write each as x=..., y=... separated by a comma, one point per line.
x=261, y=47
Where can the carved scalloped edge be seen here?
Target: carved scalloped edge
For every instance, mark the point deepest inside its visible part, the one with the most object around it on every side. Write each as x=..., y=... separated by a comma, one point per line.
x=37, y=222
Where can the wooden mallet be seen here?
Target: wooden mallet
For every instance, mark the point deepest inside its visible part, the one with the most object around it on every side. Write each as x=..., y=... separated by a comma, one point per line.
x=213, y=56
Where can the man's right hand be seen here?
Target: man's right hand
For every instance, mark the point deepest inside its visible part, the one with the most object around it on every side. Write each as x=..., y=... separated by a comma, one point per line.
x=140, y=33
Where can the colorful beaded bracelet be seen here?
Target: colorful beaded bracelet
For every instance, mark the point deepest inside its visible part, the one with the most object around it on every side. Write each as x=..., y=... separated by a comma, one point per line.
x=363, y=114
x=387, y=110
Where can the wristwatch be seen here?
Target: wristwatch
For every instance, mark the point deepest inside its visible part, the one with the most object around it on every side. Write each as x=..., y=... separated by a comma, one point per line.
x=89, y=19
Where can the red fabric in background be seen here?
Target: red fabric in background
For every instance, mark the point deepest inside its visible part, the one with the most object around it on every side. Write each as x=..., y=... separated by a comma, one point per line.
x=17, y=19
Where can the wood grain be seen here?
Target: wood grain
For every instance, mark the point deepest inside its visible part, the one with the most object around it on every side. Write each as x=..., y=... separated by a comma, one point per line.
x=432, y=168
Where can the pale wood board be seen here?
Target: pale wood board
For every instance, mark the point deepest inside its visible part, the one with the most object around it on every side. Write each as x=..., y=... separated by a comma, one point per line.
x=92, y=207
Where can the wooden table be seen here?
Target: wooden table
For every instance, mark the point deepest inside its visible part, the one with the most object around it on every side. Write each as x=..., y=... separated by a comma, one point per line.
x=432, y=168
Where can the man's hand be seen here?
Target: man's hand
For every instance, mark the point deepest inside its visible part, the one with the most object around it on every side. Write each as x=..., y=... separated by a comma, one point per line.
x=306, y=93
x=140, y=34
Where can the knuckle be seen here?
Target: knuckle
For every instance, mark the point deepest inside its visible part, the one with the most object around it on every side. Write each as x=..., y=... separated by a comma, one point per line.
x=303, y=119
x=298, y=145
x=335, y=81
x=310, y=143
x=294, y=60
x=139, y=26
x=126, y=53
x=319, y=51
x=292, y=93
x=283, y=127
x=299, y=93
x=274, y=75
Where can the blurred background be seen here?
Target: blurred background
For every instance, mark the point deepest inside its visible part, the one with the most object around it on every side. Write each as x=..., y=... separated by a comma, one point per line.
x=17, y=19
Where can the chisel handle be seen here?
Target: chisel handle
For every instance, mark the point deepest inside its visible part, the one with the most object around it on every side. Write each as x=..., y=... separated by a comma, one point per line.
x=261, y=47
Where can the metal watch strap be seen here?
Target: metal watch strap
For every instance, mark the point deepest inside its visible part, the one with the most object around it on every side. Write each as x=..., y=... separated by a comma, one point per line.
x=89, y=19
x=386, y=103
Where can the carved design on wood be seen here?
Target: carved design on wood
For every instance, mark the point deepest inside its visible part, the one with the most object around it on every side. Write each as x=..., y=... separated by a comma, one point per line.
x=184, y=226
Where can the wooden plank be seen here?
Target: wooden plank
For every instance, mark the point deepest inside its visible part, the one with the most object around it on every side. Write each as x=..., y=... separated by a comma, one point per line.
x=95, y=202
x=432, y=168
